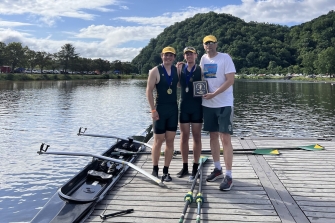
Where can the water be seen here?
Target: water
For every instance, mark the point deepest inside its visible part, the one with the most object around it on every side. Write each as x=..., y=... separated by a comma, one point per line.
x=51, y=112
x=284, y=109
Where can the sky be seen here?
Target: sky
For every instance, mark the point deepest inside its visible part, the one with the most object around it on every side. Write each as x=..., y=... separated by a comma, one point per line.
x=119, y=29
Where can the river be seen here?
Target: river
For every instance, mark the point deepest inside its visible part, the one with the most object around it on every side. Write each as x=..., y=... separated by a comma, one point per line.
x=51, y=112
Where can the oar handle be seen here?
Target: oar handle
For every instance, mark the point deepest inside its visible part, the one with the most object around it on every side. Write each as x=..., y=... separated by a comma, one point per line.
x=116, y=214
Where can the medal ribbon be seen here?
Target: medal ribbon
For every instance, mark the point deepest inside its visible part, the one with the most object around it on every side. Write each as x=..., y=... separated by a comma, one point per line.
x=169, y=79
x=188, y=76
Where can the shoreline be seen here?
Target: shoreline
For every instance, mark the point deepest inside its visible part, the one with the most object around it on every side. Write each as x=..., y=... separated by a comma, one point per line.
x=54, y=77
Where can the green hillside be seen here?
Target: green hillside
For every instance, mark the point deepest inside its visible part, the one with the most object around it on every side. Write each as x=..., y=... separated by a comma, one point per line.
x=254, y=47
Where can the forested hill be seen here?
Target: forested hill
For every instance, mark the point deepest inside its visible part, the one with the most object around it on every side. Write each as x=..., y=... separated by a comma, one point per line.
x=253, y=46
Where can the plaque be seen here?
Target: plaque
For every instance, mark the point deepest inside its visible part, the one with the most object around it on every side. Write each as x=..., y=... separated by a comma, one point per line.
x=200, y=88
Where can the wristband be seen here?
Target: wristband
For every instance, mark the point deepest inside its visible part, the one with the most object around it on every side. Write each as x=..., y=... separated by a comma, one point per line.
x=152, y=111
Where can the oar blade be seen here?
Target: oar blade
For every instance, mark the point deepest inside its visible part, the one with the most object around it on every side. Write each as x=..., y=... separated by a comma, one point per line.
x=203, y=159
x=266, y=152
x=315, y=147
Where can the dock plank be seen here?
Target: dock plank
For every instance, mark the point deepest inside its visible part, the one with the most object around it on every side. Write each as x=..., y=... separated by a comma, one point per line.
x=297, y=186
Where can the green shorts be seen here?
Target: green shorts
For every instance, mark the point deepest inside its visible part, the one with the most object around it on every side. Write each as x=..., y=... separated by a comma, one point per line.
x=218, y=119
x=168, y=118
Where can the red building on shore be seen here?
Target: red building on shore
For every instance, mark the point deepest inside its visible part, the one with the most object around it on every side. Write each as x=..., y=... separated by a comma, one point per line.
x=5, y=69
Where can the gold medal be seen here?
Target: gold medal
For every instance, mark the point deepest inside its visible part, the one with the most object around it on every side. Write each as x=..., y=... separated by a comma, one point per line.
x=186, y=89
x=169, y=91
x=191, y=79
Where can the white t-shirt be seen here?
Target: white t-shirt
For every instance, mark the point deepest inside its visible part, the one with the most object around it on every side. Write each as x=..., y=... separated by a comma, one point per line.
x=214, y=73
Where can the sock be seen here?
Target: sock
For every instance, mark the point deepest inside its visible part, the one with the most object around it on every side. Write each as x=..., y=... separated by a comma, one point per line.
x=217, y=165
x=165, y=169
x=228, y=173
x=155, y=168
x=185, y=166
x=195, y=168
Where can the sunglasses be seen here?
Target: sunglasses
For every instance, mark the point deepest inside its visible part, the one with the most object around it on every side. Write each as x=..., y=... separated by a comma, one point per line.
x=209, y=43
x=189, y=48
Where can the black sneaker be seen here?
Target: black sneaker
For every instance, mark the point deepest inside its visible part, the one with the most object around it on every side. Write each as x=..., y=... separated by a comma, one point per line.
x=182, y=173
x=227, y=183
x=216, y=174
x=166, y=177
x=154, y=173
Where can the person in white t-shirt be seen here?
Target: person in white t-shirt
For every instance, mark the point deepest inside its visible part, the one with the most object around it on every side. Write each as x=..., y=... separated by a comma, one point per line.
x=219, y=71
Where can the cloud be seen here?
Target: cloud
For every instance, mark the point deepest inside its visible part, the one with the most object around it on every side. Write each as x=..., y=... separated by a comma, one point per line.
x=120, y=34
x=124, y=7
x=166, y=19
x=48, y=11
x=279, y=11
x=9, y=35
x=271, y=11
x=13, y=24
x=107, y=41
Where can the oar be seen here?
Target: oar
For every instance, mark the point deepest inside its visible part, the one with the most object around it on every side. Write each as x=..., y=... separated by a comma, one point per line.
x=155, y=179
x=82, y=133
x=257, y=151
x=199, y=198
x=189, y=196
x=250, y=152
x=274, y=151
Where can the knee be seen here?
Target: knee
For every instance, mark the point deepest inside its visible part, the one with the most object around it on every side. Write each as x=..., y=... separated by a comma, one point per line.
x=184, y=138
x=159, y=142
x=226, y=139
x=169, y=143
x=197, y=139
x=214, y=136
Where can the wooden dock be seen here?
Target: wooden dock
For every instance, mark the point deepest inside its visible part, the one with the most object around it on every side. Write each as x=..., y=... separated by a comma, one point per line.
x=296, y=186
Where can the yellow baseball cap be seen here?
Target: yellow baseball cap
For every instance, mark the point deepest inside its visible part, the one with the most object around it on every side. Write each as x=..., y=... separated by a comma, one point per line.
x=169, y=49
x=209, y=38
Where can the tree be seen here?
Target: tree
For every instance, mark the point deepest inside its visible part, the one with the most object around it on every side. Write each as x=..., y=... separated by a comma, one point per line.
x=43, y=59
x=326, y=61
x=308, y=61
x=67, y=55
x=101, y=65
x=31, y=59
x=15, y=54
x=86, y=64
x=128, y=68
x=2, y=53
x=54, y=62
x=116, y=66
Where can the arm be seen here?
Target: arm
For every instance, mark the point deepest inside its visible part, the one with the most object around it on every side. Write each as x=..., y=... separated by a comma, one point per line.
x=152, y=80
x=202, y=74
x=230, y=78
x=179, y=67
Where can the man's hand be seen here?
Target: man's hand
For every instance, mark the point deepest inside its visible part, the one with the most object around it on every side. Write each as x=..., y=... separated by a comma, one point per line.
x=208, y=96
x=180, y=63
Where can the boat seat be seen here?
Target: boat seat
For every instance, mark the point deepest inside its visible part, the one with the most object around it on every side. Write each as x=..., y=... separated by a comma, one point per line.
x=98, y=175
x=129, y=146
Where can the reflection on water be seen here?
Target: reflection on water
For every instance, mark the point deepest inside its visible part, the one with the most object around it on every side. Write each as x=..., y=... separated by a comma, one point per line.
x=52, y=112
x=284, y=109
